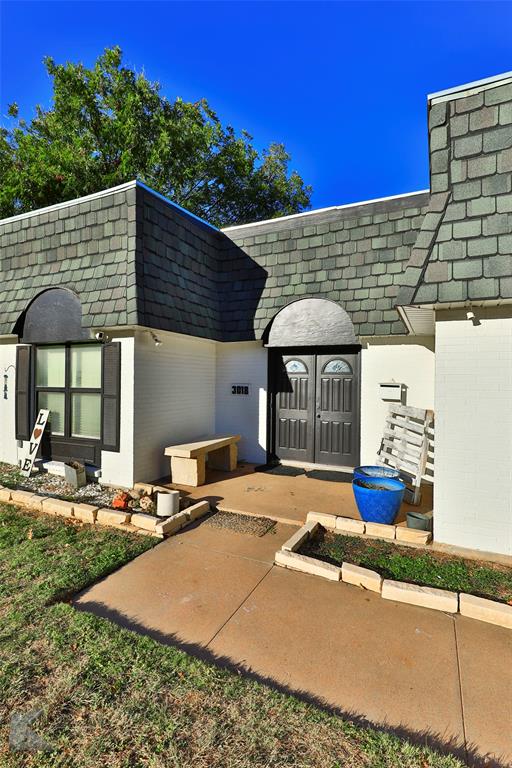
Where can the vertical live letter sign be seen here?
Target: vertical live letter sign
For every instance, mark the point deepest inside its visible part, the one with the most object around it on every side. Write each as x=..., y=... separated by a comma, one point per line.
x=27, y=461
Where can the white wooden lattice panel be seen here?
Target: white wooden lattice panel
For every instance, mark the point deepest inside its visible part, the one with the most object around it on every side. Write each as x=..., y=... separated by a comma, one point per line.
x=408, y=446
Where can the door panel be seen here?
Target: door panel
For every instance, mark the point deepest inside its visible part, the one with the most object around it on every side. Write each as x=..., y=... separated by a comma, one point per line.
x=337, y=415
x=295, y=403
x=317, y=408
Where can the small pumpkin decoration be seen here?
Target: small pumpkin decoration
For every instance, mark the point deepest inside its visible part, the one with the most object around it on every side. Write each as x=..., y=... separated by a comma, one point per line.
x=121, y=500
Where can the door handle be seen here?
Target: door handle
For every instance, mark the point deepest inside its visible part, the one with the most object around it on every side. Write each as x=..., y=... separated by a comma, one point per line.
x=319, y=415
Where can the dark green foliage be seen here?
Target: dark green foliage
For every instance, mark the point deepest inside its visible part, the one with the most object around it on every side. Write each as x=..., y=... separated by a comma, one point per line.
x=108, y=125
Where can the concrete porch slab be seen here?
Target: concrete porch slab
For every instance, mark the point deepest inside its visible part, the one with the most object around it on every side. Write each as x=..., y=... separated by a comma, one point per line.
x=282, y=498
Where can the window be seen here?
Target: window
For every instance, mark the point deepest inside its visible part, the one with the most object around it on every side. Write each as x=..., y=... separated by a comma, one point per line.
x=86, y=406
x=337, y=366
x=296, y=366
x=68, y=384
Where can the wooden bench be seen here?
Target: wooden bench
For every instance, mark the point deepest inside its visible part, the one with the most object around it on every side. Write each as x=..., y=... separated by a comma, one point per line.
x=188, y=460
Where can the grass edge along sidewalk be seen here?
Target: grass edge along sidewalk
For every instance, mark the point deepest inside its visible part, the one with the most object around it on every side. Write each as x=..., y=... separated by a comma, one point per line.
x=111, y=696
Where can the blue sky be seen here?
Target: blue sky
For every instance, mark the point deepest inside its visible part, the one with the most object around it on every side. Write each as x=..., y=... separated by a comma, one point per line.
x=342, y=84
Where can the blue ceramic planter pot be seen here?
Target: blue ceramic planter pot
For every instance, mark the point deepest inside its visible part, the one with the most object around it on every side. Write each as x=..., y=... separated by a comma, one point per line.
x=378, y=499
x=369, y=471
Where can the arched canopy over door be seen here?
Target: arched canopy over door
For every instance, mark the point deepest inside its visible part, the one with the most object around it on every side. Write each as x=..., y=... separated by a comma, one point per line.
x=54, y=316
x=311, y=323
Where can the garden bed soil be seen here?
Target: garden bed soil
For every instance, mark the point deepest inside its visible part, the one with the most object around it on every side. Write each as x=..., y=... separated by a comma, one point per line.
x=415, y=566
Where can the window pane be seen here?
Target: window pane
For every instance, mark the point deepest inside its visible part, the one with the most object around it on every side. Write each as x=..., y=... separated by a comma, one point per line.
x=337, y=366
x=53, y=402
x=86, y=415
x=51, y=366
x=86, y=366
x=296, y=366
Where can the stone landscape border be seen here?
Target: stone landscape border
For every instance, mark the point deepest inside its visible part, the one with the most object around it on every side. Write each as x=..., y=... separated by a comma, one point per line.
x=351, y=527
x=133, y=522
x=473, y=607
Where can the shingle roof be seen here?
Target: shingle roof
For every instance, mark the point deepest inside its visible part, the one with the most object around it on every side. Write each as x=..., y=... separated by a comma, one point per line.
x=87, y=246
x=136, y=259
x=353, y=255
x=463, y=251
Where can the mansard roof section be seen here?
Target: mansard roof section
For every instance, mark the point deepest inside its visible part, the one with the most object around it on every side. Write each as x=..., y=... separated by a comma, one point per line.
x=354, y=255
x=464, y=249
x=132, y=257
x=86, y=245
x=178, y=260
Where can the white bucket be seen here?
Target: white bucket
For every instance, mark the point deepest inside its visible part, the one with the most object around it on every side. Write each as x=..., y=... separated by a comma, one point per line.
x=167, y=504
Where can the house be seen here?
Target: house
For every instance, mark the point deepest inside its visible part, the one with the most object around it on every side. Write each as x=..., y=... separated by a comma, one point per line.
x=139, y=325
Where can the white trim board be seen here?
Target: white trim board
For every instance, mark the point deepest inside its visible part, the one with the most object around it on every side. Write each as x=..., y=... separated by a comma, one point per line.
x=468, y=89
x=104, y=193
x=325, y=210
x=69, y=203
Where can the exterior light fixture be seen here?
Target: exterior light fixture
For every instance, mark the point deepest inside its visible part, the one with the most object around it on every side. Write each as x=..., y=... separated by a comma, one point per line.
x=470, y=315
x=156, y=340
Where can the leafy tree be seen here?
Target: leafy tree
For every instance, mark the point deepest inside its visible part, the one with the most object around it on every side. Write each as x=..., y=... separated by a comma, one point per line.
x=109, y=124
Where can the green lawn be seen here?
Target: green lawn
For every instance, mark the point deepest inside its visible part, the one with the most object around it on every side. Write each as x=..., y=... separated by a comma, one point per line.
x=112, y=699
x=416, y=566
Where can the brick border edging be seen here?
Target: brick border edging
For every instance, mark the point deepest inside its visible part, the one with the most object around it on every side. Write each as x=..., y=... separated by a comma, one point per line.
x=479, y=608
x=347, y=525
x=136, y=522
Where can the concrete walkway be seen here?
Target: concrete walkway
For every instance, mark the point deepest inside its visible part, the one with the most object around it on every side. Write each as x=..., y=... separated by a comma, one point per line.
x=422, y=674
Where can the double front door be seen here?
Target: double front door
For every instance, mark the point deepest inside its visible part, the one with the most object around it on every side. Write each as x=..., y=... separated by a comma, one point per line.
x=317, y=408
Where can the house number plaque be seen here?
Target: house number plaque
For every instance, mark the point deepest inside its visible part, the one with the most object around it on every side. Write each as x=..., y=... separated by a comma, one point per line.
x=27, y=461
x=240, y=389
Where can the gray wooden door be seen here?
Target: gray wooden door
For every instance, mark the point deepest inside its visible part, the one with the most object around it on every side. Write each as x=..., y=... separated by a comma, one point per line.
x=317, y=409
x=295, y=408
x=337, y=410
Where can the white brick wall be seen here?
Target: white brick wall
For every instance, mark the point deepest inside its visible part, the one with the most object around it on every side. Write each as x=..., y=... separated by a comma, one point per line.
x=8, y=444
x=473, y=442
x=243, y=363
x=117, y=466
x=174, y=397
x=407, y=360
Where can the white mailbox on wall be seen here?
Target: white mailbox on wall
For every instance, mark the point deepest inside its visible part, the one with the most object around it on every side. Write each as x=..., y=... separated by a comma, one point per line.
x=392, y=391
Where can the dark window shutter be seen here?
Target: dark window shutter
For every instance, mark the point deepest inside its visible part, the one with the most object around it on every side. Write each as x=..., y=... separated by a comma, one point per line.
x=23, y=393
x=111, y=401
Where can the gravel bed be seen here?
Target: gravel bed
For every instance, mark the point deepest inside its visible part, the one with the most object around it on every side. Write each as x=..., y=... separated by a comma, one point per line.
x=255, y=526
x=55, y=486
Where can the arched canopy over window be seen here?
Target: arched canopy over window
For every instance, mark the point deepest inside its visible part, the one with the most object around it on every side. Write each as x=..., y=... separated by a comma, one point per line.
x=337, y=366
x=296, y=366
x=54, y=316
x=311, y=322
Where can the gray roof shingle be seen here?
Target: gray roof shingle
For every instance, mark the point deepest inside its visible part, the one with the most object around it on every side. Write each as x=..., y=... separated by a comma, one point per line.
x=135, y=259
x=466, y=253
